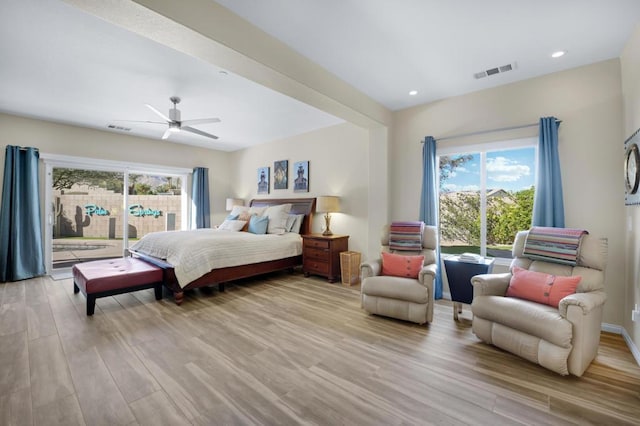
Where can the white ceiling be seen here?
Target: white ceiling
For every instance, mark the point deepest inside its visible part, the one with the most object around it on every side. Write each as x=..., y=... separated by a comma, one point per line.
x=61, y=64
x=386, y=48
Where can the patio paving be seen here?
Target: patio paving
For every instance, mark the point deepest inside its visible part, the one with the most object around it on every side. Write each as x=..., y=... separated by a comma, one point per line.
x=69, y=251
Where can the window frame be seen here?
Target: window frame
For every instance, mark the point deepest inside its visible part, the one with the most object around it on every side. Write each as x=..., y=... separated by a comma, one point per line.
x=51, y=161
x=482, y=149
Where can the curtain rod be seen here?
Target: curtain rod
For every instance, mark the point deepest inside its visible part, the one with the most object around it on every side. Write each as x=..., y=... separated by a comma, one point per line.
x=481, y=132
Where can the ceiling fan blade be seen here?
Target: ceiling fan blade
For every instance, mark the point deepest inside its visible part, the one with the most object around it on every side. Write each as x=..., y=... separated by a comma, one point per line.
x=142, y=121
x=158, y=113
x=166, y=134
x=200, y=121
x=198, y=132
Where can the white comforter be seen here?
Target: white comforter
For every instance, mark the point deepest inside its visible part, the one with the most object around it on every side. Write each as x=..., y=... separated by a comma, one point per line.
x=195, y=253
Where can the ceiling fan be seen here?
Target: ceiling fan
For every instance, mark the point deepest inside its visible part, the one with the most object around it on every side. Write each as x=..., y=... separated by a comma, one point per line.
x=176, y=124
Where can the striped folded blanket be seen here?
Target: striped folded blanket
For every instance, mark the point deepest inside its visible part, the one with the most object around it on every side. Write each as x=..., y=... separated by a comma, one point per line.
x=558, y=245
x=406, y=236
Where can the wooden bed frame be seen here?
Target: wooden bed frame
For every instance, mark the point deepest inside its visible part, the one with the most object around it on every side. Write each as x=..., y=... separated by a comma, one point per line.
x=220, y=276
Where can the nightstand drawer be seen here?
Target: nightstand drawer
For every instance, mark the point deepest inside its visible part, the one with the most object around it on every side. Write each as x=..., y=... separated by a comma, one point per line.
x=317, y=254
x=316, y=266
x=316, y=243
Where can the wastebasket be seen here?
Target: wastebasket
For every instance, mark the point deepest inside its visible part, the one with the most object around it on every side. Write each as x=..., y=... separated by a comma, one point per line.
x=350, y=267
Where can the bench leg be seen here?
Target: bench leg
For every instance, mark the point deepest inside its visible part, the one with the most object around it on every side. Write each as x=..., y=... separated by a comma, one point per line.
x=178, y=296
x=75, y=288
x=91, y=304
x=158, y=290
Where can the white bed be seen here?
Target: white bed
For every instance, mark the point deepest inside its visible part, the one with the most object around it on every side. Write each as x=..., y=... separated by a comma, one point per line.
x=195, y=253
x=192, y=259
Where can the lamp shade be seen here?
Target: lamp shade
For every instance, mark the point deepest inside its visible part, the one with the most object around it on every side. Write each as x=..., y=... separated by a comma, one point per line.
x=234, y=202
x=328, y=204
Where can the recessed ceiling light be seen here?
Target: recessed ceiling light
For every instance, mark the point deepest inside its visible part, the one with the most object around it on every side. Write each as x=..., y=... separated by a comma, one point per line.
x=413, y=93
x=558, y=53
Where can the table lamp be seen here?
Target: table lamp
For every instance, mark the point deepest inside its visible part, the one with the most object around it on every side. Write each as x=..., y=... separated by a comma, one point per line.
x=234, y=202
x=327, y=204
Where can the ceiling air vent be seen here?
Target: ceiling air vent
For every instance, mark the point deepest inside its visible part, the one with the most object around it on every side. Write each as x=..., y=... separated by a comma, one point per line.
x=494, y=71
x=122, y=129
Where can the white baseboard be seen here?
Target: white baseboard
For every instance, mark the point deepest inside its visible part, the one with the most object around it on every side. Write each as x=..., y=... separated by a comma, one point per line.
x=632, y=346
x=611, y=328
x=617, y=329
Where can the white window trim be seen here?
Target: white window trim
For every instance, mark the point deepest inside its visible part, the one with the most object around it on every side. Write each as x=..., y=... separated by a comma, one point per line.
x=110, y=165
x=489, y=146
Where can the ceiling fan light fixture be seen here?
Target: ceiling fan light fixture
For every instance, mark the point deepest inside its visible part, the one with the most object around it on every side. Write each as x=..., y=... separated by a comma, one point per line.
x=175, y=123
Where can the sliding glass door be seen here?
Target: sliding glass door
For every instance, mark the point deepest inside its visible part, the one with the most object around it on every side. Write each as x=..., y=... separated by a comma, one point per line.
x=94, y=213
x=84, y=212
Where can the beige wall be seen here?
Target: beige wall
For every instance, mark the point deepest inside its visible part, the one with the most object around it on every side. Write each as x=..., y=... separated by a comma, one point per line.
x=338, y=165
x=630, y=64
x=588, y=100
x=64, y=139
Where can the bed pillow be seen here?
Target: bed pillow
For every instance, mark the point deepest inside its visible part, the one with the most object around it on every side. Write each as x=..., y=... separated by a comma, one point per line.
x=252, y=210
x=294, y=223
x=277, y=218
x=398, y=265
x=258, y=224
x=236, y=210
x=232, y=225
x=290, y=221
x=246, y=216
x=540, y=287
x=231, y=217
x=258, y=211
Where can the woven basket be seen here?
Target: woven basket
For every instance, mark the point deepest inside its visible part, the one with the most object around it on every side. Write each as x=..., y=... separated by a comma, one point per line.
x=350, y=267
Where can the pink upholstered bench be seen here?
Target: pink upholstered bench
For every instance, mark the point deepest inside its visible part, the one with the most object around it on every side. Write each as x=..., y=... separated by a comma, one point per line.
x=102, y=278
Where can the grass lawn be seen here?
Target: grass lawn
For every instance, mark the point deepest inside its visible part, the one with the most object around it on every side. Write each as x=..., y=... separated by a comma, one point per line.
x=501, y=250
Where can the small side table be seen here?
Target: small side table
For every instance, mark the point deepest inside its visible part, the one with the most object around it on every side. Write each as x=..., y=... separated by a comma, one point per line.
x=321, y=254
x=459, y=274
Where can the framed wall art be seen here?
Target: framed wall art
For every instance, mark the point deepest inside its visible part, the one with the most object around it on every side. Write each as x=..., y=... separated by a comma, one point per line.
x=263, y=180
x=281, y=174
x=632, y=169
x=301, y=180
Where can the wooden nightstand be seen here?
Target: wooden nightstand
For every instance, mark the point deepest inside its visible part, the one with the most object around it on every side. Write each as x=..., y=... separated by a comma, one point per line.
x=321, y=255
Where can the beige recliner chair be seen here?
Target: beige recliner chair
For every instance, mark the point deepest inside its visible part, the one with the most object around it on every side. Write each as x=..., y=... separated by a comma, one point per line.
x=563, y=339
x=402, y=298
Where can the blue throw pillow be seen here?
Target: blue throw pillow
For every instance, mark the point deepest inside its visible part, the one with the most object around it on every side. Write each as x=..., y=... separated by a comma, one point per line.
x=232, y=217
x=258, y=224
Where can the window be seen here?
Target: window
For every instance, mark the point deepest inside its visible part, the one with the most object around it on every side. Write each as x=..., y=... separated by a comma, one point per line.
x=97, y=206
x=486, y=196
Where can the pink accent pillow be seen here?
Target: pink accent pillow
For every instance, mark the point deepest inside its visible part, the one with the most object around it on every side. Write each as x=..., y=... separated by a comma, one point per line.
x=398, y=265
x=540, y=287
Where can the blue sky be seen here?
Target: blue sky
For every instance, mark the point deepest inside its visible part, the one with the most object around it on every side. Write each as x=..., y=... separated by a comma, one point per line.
x=511, y=170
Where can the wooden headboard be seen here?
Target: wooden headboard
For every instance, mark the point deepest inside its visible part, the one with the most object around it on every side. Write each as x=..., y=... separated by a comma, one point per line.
x=305, y=206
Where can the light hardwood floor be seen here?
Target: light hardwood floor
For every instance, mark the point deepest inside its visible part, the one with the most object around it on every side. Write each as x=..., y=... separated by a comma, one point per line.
x=278, y=350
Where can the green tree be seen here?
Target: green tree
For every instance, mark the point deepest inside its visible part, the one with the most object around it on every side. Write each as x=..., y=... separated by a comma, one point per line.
x=142, y=189
x=460, y=217
x=514, y=216
x=65, y=178
x=497, y=208
x=449, y=164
